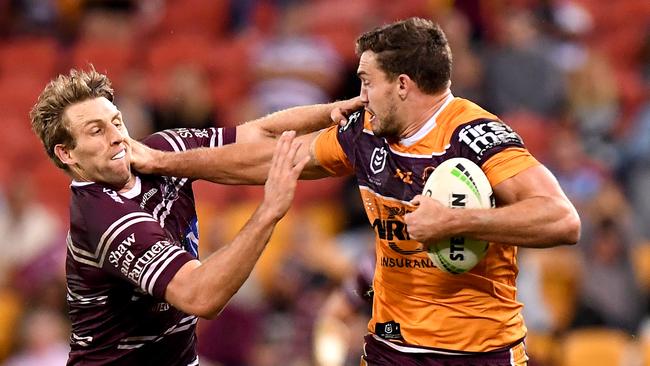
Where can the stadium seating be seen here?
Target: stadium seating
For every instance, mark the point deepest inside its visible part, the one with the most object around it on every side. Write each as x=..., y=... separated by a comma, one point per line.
x=114, y=59
x=36, y=57
x=195, y=17
x=595, y=347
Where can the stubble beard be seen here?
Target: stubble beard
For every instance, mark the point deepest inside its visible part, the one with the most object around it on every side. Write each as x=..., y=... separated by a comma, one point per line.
x=387, y=125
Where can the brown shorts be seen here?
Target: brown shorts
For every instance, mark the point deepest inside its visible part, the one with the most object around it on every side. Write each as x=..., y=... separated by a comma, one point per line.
x=376, y=353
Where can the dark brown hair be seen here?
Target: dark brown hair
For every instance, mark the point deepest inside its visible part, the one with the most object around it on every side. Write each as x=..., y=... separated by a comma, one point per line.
x=47, y=115
x=416, y=47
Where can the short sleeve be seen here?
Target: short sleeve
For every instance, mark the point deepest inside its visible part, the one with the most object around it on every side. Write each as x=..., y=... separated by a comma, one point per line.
x=508, y=163
x=181, y=139
x=125, y=241
x=330, y=154
x=495, y=147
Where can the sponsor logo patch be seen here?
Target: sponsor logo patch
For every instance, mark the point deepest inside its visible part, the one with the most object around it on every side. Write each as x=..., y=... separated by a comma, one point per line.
x=145, y=197
x=483, y=136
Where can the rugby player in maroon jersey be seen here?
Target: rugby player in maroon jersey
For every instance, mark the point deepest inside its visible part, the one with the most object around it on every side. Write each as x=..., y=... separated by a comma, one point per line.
x=135, y=285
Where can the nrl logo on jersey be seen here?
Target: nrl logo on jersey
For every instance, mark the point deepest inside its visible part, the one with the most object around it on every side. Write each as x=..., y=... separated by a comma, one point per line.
x=112, y=194
x=378, y=160
x=352, y=119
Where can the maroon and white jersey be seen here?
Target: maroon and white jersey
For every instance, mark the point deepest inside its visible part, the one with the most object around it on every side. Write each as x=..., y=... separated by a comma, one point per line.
x=123, y=250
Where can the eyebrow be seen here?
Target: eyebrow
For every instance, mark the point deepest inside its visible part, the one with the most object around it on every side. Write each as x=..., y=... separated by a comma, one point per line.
x=94, y=120
x=361, y=73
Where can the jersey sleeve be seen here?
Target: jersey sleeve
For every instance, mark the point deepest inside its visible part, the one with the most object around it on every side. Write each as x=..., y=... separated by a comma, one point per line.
x=330, y=154
x=127, y=242
x=493, y=146
x=181, y=139
x=335, y=147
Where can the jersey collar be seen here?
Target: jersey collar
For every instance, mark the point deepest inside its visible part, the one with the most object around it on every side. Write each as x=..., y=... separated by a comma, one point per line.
x=428, y=126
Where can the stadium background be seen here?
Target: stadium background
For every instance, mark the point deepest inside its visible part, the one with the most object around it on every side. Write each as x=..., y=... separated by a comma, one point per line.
x=571, y=76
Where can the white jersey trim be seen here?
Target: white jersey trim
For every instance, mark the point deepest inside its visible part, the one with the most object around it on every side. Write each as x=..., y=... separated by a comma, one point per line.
x=135, y=191
x=413, y=349
x=428, y=126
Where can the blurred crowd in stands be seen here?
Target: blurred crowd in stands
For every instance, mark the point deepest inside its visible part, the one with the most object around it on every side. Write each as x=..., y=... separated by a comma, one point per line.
x=571, y=76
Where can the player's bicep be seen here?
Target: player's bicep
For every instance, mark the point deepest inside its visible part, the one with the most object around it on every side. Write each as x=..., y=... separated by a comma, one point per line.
x=180, y=290
x=535, y=181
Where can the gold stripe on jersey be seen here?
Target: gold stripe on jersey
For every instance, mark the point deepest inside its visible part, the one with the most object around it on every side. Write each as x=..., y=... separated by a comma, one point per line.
x=507, y=163
x=472, y=312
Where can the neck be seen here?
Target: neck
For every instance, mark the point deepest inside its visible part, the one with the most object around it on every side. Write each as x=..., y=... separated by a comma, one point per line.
x=129, y=184
x=422, y=110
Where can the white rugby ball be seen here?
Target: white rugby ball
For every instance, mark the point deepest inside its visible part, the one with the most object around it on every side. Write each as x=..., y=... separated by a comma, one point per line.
x=458, y=183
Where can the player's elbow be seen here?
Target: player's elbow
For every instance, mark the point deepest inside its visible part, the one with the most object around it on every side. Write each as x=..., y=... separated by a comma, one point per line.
x=210, y=311
x=570, y=226
x=203, y=306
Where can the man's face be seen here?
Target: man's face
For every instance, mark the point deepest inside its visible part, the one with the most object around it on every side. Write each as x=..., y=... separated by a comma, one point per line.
x=100, y=154
x=379, y=96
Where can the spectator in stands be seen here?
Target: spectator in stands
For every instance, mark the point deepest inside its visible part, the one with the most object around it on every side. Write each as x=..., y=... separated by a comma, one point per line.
x=519, y=66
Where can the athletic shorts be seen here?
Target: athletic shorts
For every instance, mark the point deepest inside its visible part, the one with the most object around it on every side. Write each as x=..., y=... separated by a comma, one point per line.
x=377, y=353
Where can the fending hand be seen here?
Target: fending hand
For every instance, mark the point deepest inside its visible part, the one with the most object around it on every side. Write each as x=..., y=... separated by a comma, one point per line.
x=143, y=157
x=343, y=109
x=283, y=175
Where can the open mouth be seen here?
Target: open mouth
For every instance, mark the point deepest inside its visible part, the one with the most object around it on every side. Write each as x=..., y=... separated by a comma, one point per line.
x=119, y=155
x=372, y=115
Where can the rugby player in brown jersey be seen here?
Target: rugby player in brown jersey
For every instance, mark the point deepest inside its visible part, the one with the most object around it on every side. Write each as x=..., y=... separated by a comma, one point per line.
x=135, y=286
x=411, y=123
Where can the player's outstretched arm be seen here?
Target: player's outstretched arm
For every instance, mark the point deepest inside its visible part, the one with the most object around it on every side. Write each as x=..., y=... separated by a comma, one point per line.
x=247, y=161
x=532, y=211
x=203, y=289
x=303, y=120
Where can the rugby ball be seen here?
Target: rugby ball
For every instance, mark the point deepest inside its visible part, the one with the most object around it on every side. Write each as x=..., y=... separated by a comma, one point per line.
x=458, y=183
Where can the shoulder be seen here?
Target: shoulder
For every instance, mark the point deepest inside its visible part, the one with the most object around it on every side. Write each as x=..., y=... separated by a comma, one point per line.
x=97, y=207
x=461, y=111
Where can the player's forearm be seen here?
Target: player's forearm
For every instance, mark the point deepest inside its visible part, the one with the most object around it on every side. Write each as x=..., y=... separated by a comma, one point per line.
x=536, y=222
x=303, y=120
x=230, y=164
x=222, y=274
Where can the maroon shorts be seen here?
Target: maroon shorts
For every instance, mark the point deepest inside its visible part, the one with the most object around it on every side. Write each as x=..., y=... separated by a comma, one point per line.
x=376, y=353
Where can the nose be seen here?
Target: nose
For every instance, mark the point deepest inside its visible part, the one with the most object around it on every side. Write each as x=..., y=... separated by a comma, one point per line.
x=363, y=95
x=116, y=135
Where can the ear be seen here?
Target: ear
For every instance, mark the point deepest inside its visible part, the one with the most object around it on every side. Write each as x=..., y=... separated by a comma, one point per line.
x=64, y=154
x=404, y=84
